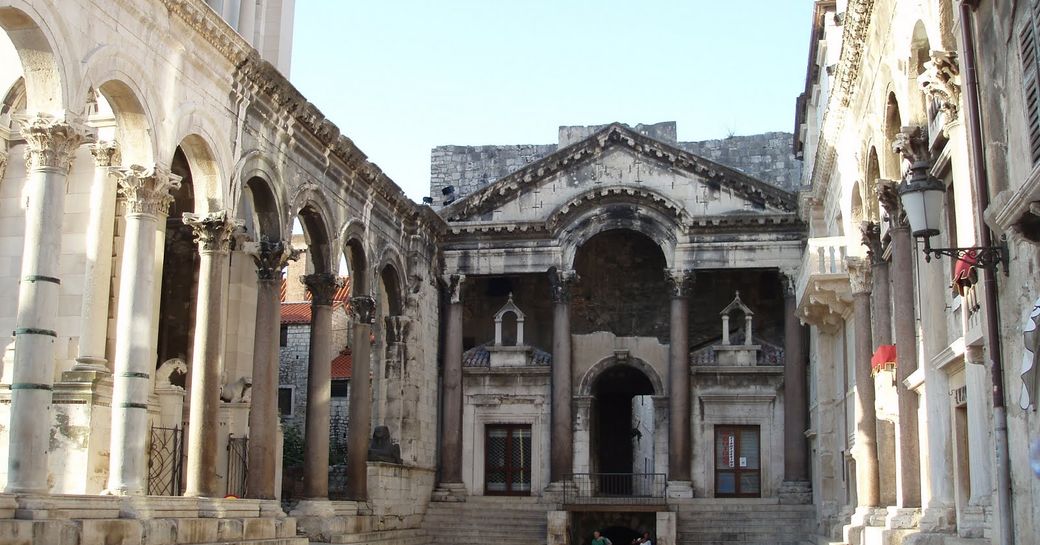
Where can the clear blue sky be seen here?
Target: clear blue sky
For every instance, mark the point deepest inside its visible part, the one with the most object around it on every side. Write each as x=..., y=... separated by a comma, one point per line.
x=402, y=76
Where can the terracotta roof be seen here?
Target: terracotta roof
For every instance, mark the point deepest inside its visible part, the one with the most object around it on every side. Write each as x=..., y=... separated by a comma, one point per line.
x=342, y=365
x=300, y=312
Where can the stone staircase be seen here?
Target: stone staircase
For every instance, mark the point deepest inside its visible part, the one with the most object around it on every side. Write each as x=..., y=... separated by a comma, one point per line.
x=481, y=520
x=743, y=522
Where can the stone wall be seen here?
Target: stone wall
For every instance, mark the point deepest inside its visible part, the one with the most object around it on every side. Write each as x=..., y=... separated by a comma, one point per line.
x=768, y=157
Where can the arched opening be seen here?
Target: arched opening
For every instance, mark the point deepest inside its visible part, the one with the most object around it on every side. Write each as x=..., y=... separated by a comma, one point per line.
x=27, y=45
x=871, y=204
x=622, y=413
x=920, y=53
x=132, y=130
x=893, y=167
x=390, y=289
x=634, y=303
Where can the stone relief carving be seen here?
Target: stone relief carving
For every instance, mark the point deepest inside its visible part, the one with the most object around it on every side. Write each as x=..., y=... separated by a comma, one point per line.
x=164, y=376
x=237, y=391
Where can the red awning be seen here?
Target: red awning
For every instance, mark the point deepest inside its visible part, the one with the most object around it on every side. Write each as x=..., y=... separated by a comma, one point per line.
x=884, y=356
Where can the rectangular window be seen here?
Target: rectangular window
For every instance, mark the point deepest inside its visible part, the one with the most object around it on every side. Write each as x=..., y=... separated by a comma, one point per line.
x=1028, y=47
x=283, y=336
x=737, y=473
x=285, y=400
x=507, y=460
x=340, y=388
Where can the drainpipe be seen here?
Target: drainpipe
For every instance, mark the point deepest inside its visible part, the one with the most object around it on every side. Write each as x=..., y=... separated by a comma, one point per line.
x=973, y=115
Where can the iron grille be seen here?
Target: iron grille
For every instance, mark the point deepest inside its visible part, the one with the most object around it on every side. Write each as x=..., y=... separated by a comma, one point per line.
x=616, y=488
x=237, y=467
x=165, y=461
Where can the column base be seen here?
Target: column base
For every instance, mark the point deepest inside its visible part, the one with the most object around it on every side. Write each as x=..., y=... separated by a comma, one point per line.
x=679, y=489
x=158, y=507
x=271, y=509
x=942, y=519
x=313, y=508
x=90, y=365
x=863, y=518
x=449, y=492
x=795, y=493
x=560, y=491
x=903, y=518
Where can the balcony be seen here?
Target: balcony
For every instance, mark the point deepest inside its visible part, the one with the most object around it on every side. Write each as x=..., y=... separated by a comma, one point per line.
x=823, y=292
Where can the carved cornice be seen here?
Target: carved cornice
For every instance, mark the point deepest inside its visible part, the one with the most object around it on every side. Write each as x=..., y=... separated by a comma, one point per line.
x=271, y=256
x=146, y=191
x=212, y=231
x=859, y=274
x=106, y=153
x=453, y=287
x=942, y=83
x=627, y=194
x=363, y=309
x=561, y=284
x=680, y=281
x=854, y=41
x=593, y=147
x=51, y=142
x=322, y=287
x=197, y=15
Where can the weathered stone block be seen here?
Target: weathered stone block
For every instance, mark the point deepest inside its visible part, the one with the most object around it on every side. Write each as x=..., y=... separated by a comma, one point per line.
x=111, y=532
x=258, y=528
x=228, y=529
x=196, y=530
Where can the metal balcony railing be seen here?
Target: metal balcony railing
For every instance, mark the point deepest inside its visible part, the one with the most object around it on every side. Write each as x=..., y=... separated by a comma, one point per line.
x=616, y=488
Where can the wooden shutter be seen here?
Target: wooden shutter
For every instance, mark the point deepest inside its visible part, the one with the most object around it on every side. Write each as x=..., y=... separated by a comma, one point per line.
x=1027, y=42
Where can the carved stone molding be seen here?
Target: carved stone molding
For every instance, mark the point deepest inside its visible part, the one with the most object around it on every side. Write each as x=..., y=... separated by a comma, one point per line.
x=363, y=309
x=146, y=191
x=912, y=144
x=322, y=286
x=561, y=283
x=859, y=275
x=212, y=230
x=271, y=256
x=51, y=142
x=942, y=83
x=453, y=285
x=106, y=153
x=680, y=281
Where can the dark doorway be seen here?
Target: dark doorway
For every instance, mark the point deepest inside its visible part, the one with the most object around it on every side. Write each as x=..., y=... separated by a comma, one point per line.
x=613, y=433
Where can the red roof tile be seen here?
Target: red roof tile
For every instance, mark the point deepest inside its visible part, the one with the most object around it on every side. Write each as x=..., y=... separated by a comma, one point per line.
x=300, y=312
x=342, y=365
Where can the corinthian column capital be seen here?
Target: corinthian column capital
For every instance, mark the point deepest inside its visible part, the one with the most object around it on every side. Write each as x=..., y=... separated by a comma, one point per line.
x=363, y=309
x=322, y=286
x=941, y=81
x=453, y=284
x=680, y=281
x=146, y=191
x=271, y=256
x=106, y=153
x=51, y=142
x=212, y=230
x=561, y=283
x=912, y=144
x=859, y=274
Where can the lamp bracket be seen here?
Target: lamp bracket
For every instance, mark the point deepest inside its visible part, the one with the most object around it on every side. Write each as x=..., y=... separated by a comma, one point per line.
x=986, y=257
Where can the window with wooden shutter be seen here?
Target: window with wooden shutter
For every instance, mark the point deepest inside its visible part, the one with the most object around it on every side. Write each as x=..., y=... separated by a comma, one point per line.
x=1027, y=42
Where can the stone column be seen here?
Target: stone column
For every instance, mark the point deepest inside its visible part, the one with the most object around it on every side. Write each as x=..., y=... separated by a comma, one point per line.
x=147, y=199
x=271, y=258
x=679, y=483
x=451, y=426
x=323, y=287
x=363, y=311
x=881, y=308
x=908, y=463
x=51, y=147
x=213, y=234
x=561, y=461
x=98, y=273
x=865, y=451
x=796, y=487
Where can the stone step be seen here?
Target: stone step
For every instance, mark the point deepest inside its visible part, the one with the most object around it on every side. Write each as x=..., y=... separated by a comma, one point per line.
x=415, y=536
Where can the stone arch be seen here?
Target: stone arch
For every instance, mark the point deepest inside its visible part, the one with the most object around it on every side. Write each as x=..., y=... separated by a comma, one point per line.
x=258, y=174
x=124, y=84
x=622, y=215
x=353, y=237
x=919, y=53
x=872, y=172
x=263, y=203
x=588, y=380
x=316, y=230
x=390, y=275
x=46, y=76
x=891, y=166
x=194, y=133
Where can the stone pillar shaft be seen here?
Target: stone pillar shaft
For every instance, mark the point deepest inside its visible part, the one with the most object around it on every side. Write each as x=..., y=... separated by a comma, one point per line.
x=213, y=234
x=561, y=461
x=362, y=309
x=451, y=444
x=679, y=381
x=908, y=464
x=882, y=309
x=52, y=144
x=795, y=401
x=319, y=387
x=868, y=482
x=98, y=272
x=147, y=200
x=260, y=479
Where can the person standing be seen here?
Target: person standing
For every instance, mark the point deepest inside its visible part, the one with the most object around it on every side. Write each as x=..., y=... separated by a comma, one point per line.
x=598, y=539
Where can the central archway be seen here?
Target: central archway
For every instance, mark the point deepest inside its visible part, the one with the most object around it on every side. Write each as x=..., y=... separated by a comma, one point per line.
x=622, y=429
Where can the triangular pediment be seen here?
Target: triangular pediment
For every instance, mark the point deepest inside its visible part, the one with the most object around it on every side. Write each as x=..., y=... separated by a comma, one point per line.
x=611, y=160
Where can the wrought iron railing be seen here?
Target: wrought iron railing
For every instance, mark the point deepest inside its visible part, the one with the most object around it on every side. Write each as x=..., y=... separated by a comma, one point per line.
x=165, y=460
x=237, y=467
x=616, y=488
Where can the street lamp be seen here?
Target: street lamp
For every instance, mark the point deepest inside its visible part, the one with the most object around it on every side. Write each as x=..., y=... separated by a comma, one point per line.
x=922, y=198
